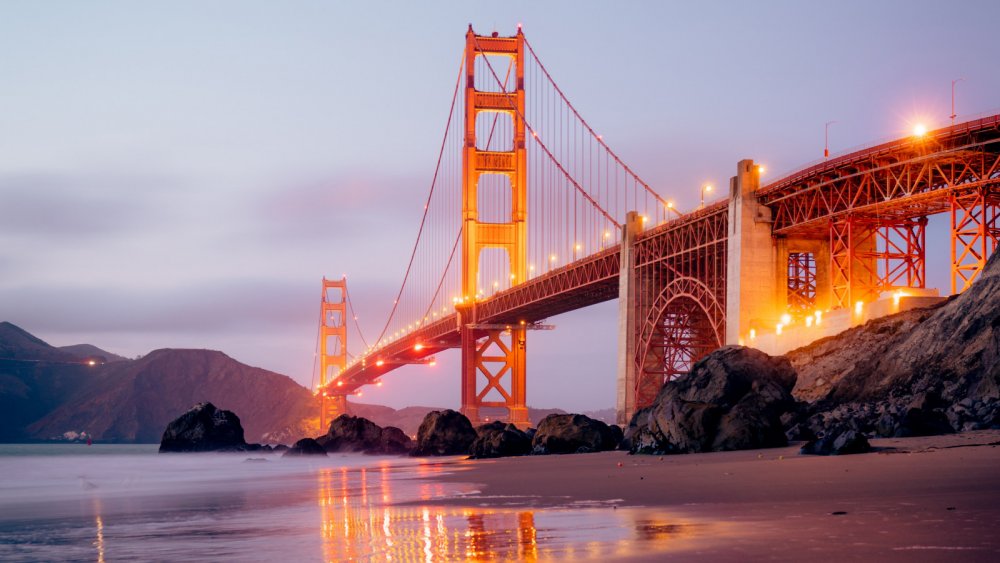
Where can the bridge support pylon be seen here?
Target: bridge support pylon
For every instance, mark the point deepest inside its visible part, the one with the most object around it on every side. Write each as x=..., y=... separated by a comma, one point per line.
x=333, y=349
x=494, y=367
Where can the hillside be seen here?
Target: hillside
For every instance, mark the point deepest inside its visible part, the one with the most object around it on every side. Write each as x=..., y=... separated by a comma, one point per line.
x=952, y=348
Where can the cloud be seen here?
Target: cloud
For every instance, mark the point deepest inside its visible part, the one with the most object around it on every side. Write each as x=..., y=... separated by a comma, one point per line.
x=49, y=206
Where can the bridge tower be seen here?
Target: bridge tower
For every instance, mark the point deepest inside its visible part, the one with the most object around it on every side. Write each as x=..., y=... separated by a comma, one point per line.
x=333, y=349
x=496, y=353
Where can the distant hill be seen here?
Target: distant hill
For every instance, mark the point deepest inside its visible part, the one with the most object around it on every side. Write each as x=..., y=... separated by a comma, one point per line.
x=47, y=392
x=91, y=351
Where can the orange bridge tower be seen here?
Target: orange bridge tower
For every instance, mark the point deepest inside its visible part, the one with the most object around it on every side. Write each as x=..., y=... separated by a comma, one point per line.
x=493, y=357
x=332, y=350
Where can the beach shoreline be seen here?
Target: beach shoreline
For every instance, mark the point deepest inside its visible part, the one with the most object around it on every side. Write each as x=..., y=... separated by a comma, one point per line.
x=922, y=498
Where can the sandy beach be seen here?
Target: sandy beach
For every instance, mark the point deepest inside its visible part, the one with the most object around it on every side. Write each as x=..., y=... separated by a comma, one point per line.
x=914, y=499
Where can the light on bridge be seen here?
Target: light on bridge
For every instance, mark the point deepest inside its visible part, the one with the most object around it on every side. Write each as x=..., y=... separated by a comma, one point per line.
x=819, y=317
x=859, y=307
x=380, y=363
x=552, y=258
x=418, y=347
x=432, y=363
x=809, y=321
x=786, y=319
x=379, y=384
x=919, y=130
x=777, y=329
x=753, y=333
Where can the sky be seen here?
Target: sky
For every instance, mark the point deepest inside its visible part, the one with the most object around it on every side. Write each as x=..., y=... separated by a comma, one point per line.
x=183, y=174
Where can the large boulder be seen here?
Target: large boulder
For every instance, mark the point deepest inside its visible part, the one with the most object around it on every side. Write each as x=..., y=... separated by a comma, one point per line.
x=305, y=447
x=572, y=433
x=444, y=432
x=499, y=439
x=352, y=434
x=204, y=428
x=733, y=399
x=393, y=442
x=838, y=441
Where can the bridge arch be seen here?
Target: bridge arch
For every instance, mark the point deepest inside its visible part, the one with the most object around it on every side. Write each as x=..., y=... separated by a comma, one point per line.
x=685, y=323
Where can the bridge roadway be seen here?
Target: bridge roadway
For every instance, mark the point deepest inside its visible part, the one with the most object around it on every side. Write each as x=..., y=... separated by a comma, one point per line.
x=900, y=180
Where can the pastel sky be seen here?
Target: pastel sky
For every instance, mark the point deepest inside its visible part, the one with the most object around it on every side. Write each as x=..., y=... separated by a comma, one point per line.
x=183, y=174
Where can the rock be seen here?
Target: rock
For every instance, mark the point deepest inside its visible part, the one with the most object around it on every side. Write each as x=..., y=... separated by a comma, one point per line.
x=838, y=442
x=352, y=434
x=393, y=442
x=733, y=399
x=498, y=439
x=572, y=433
x=204, y=428
x=444, y=432
x=617, y=434
x=280, y=448
x=800, y=433
x=305, y=447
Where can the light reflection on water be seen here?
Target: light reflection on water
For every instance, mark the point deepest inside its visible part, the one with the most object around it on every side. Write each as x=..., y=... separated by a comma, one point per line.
x=114, y=505
x=355, y=526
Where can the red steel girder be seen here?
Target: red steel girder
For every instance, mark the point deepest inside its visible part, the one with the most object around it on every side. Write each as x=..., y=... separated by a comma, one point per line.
x=974, y=233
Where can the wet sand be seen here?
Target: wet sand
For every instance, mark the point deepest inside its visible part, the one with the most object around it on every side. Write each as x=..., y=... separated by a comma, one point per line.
x=915, y=499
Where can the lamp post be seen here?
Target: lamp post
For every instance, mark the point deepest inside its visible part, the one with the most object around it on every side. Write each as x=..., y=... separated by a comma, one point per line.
x=670, y=206
x=826, y=138
x=704, y=189
x=953, y=83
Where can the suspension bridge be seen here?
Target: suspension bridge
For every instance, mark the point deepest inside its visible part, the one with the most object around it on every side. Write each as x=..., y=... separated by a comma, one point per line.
x=531, y=214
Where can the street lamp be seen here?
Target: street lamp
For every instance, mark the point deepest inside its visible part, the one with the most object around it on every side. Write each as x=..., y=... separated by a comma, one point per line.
x=826, y=139
x=953, y=83
x=705, y=189
x=670, y=206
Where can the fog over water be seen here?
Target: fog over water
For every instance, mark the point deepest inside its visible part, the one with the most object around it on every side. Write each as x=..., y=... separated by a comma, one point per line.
x=126, y=502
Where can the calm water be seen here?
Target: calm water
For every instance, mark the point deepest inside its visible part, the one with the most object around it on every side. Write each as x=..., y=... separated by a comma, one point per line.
x=126, y=502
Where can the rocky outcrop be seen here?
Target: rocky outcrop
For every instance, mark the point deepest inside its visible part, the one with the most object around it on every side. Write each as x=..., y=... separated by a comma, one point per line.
x=444, y=432
x=394, y=442
x=572, y=433
x=499, y=439
x=305, y=447
x=204, y=428
x=351, y=434
x=733, y=399
x=356, y=434
x=838, y=441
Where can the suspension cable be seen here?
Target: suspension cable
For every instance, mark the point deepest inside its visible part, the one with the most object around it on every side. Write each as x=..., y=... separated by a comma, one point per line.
x=593, y=133
x=427, y=205
x=548, y=153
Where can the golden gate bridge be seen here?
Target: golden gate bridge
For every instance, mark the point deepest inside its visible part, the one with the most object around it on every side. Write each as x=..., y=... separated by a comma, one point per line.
x=530, y=214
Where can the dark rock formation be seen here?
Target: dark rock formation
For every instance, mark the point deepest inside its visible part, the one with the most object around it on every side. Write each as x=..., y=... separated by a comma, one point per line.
x=572, y=433
x=394, y=442
x=840, y=441
x=351, y=434
x=498, y=439
x=305, y=447
x=204, y=428
x=733, y=399
x=355, y=434
x=444, y=432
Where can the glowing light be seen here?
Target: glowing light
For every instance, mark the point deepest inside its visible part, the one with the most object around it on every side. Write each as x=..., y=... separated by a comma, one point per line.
x=708, y=187
x=379, y=384
x=644, y=218
x=809, y=321
x=496, y=284
x=753, y=333
x=670, y=205
x=512, y=277
x=777, y=329
x=552, y=258
x=607, y=234
x=786, y=319
x=531, y=268
x=579, y=246
x=919, y=130
x=418, y=347
x=357, y=394
x=432, y=363
x=819, y=317
x=761, y=169
x=91, y=362
x=380, y=363
x=340, y=384
x=896, y=297
x=859, y=307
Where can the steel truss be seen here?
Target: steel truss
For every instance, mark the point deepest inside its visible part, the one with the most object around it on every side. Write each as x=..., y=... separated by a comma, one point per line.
x=681, y=278
x=801, y=283
x=869, y=256
x=974, y=233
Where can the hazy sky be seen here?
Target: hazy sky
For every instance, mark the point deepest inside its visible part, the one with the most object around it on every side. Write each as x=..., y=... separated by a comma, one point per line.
x=183, y=174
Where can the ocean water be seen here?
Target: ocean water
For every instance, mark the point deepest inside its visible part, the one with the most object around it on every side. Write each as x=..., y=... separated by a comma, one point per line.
x=127, y=503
